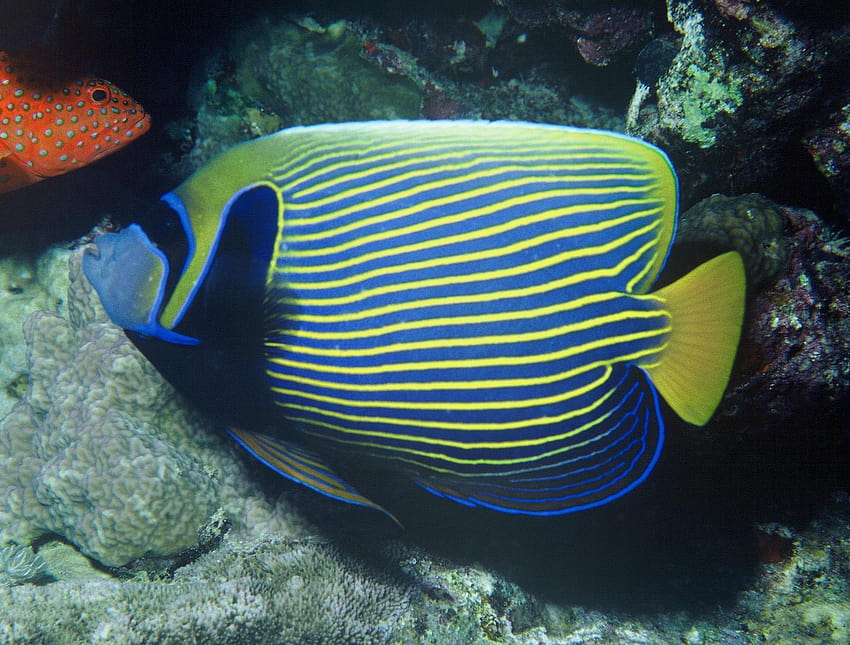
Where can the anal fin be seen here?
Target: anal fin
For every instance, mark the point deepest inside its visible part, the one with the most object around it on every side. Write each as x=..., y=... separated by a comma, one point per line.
x=302, y=466
x=593, y=473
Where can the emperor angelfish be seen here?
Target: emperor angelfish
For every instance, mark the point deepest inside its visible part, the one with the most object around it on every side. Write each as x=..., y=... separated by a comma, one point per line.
x=466, y=302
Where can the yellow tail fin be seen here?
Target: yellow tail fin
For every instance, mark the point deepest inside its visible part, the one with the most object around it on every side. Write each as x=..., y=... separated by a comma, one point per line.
x=706, y=308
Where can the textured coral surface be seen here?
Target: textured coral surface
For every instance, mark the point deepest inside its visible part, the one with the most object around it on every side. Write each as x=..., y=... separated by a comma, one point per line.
x=751, y=83
x=101, y=451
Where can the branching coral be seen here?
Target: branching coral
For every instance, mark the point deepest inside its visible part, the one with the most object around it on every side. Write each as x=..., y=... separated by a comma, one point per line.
x=267, y=591
x=19, y=564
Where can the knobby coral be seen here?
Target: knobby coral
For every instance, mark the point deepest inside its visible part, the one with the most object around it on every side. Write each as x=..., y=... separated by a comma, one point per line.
x=750, y=224
x=103, y=452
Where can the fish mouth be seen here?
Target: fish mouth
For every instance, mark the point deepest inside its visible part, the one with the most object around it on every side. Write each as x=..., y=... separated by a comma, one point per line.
x=137, y=126
x=141, y=124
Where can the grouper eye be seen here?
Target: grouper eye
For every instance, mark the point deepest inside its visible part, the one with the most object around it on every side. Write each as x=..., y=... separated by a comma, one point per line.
x=99, y=95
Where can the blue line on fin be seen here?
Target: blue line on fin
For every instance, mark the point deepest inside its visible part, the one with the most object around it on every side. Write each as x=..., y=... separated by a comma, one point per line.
x=566, y=490
x=303, y=467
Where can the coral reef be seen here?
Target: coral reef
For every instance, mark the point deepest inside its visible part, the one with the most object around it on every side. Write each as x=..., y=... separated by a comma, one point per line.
x=293, y=73
x=750, y=224
x=829, y=146
x=19, y=565
x=267, y=591
x=243, y=588
x=101, y=451
x=63, y=562
x=27, y=284
x=280, y=590
x=604, y=36
x=309, y=74
x=728, y=89
x=796, y=345
x=700, y=87
x=749, y=81
x=297, y=72
x=600, y=33
x=101, y=463
x=95, y=412
x=491, y=67
x=804, y=597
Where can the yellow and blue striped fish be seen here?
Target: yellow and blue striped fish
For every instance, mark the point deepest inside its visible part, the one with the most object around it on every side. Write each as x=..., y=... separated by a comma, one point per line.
x=466, y=302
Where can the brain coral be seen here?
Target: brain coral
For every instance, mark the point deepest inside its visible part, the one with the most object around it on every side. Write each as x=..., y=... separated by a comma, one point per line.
x=27, y=283
x=750, y=224
x=101, y=450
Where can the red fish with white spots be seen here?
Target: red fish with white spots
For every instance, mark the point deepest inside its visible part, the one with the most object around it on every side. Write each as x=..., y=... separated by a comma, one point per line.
x=48, y=127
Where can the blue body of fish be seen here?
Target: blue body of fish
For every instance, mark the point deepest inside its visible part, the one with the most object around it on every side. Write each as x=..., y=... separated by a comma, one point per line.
x=465, y=302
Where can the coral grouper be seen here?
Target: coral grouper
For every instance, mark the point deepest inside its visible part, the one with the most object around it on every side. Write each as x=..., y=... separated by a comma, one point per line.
x=465, y=302
x=49, y=126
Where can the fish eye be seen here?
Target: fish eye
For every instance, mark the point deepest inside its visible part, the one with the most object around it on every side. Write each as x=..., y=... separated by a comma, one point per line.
x=99, y=95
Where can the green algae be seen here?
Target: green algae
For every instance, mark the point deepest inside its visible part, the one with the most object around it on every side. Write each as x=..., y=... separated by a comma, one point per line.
x=709, y=94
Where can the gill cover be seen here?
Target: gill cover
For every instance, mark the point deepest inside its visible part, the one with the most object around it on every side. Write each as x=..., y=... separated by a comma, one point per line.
x=129, y=274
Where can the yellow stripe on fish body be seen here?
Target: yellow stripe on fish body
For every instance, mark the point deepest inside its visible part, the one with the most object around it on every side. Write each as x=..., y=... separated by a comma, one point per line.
x=464, y=301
